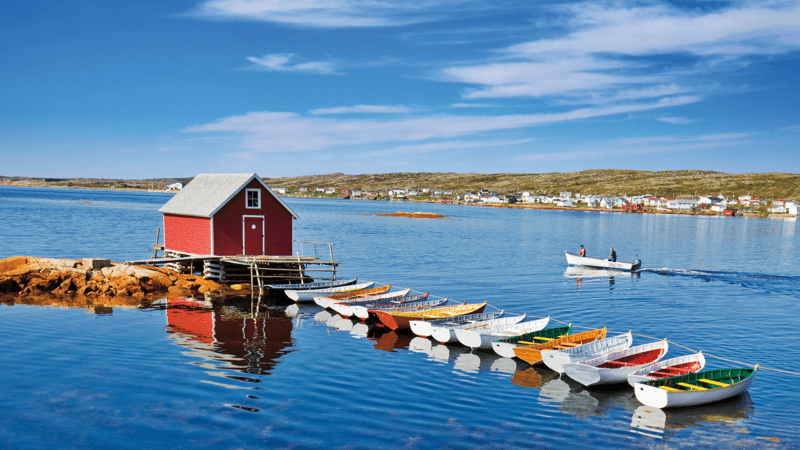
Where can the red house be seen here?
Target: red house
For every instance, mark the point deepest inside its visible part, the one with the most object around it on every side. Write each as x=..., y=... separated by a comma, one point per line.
x=227, y=214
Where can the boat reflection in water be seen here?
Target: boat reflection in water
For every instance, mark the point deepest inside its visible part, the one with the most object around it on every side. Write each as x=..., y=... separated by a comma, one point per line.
x=244, y=338
x=656, y=422
x=532, y=377
x=574, y=398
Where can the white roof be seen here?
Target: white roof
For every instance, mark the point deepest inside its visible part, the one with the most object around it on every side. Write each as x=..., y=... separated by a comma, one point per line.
x=208, y=192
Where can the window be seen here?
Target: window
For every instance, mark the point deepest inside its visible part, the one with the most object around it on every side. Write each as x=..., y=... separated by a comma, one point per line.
x=253, y=198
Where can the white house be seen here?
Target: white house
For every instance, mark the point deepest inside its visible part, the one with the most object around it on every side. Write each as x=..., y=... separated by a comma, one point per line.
x=320, y=189
x=471, y=197
x=425, y=190
x=303, y=188
x=437, y=192
x=564, y=202
x=777, y=209
x=330, y=191
x=279, y=190
x=682, y=204
x=356, y=192
x=491, y=199
x=607, y=202
x=177, y=186
x=413, y=192
x=592, y=201
x=718, y=208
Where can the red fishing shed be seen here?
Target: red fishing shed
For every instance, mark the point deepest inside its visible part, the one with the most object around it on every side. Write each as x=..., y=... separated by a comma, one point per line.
x=227, y=214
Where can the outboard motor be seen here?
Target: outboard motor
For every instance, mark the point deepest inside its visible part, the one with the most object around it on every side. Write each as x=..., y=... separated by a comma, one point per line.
x=637, y=264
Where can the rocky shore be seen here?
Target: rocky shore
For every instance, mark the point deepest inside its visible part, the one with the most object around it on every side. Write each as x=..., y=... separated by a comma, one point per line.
x=98, y=279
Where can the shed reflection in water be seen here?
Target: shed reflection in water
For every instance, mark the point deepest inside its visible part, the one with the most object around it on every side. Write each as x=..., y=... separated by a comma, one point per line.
x=232, y=337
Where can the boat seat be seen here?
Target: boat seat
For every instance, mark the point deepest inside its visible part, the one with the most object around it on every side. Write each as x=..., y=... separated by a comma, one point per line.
x=715, y=383
x=542, y=338
x=617, y=363
x=569, y=344
x=525, y=343
x=692, y=387
x=669, y=389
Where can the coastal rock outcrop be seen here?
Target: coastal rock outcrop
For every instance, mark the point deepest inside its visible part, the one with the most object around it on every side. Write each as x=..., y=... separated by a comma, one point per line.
x=29, y=276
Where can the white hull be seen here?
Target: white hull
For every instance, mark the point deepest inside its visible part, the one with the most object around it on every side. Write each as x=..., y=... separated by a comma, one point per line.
x=314, y=285
x=577, y=260
x=308, y=295
x=424, y=328
x=642, y=374
x=660, y=398
x=444, y=335
x=555, y=359
x=504, y=349
x=362, y=312
x=588, y=373
x=345, y=307
x=483, y=339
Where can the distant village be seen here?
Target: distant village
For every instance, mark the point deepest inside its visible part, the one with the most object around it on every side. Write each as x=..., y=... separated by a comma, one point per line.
x=712, y=203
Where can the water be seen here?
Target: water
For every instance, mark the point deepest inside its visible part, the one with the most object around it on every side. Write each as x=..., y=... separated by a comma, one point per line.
x=222, y=375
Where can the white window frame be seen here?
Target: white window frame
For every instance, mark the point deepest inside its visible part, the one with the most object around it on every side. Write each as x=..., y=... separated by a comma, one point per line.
x=247, y=198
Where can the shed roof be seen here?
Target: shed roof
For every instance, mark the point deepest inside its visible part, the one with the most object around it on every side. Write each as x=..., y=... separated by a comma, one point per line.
x=208, y=192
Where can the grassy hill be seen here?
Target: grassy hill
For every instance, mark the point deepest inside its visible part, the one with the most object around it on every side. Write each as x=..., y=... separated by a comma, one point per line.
x=603, y=182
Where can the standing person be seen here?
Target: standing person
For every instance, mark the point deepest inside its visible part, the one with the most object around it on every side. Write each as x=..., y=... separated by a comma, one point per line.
x=613, y=257
x=583, y=251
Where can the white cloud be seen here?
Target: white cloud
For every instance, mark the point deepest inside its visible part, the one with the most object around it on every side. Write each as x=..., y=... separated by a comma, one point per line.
x=282, y=62
x=335, y=13
x=676, y=120
x=370, y=109
x=472, y=105
x=284, y=131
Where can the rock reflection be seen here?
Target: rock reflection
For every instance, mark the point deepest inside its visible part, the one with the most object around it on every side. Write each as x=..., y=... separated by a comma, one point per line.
x=249, y=340
x=654, y=422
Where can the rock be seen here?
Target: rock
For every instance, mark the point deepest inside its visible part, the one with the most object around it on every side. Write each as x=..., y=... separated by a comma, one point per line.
x=95, y=263
x=9, y=264
x=9, y=285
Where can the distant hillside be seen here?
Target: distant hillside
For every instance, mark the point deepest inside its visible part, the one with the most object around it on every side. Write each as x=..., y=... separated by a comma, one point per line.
x=603, y=182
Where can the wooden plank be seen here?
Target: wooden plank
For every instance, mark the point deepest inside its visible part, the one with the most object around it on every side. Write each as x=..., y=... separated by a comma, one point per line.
x=669, y=389
x=715, y=383
x=692, y=387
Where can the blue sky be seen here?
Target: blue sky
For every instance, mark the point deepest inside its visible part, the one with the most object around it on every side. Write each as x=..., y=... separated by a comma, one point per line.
x=296, y=87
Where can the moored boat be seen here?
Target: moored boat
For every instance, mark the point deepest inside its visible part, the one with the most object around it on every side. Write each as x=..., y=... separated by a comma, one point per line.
x=309, y=294
x=598, y=263
x=313, y=285
x=446, y=333
x=555, y=359
x=668, y=368
x=326, y=300
x=614, y=367
x=505, y=347
x=483, y=337
x=398, y=320
x=532, y=354
x=408, y=303
x=695, y=388
x=424, y=328
x=345, y=307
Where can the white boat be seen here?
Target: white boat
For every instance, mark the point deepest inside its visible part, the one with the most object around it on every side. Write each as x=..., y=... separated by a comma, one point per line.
x=598, y=263
x=668, y=368
x=483, y=337
x=345, y=307
x=555, y=359
x=309, y=294
x=409, y=303
x=424, y=328
x=614, y=367
x=313, y=285
x=327, y=302
x=445, y=333
x=695, y=388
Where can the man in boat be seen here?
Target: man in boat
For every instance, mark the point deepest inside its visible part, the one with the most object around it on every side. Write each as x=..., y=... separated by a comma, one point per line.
x=613, y=256
x=583, y=251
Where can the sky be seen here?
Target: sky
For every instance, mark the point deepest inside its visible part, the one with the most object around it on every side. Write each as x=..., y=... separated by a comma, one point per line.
x=172, y=88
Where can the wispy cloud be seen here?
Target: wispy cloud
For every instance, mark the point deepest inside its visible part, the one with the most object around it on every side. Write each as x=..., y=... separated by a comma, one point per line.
x=472, y=105
x=336, y=13
x=279, y=131
x=369, y=109
x=676, y=120
x=285, y=62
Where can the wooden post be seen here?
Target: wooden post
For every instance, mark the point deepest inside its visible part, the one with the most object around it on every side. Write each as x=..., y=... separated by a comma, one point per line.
x=156, y=247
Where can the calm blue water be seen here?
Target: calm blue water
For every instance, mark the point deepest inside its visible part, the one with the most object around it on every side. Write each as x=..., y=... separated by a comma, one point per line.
x=223, y=376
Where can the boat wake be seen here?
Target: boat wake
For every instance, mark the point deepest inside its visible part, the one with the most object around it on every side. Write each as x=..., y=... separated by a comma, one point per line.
x=772, y=283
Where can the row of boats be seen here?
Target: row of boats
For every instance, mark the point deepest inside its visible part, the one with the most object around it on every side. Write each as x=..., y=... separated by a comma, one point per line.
x=589, y=357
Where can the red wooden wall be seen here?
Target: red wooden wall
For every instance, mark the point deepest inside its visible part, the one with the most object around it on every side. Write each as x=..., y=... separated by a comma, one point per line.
x=277, y=224
x=187, y=234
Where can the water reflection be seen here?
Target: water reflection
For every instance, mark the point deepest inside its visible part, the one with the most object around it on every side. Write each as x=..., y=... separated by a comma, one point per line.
x=581, y=273
x=654, y=422
x=574, y=398
x=533, y=377
x=245, y=338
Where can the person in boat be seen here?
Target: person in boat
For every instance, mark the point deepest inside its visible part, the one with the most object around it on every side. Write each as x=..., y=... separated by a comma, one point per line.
x=582, y=252
x=613, y=256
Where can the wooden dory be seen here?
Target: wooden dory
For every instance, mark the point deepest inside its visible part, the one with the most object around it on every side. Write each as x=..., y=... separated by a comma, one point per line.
x=309, y=294
x=399, y=320
x=424, y=328
x=556, y=358
x=505, y=347
x=614, y=367
x=447, y=333
x=326, y=300
x=532, y=354
x=483, y=337
x=314, y=285
x=345, y=307
x=695, y=388
x=668, y=368
x=408, y=303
